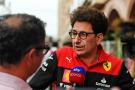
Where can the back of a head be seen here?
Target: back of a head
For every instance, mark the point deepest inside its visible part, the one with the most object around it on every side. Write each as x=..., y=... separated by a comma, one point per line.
x=18, y=34
x=93, y=16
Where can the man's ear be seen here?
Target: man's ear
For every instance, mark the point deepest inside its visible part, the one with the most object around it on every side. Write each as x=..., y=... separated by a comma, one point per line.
x=31, y=54
x=28, y=58
x=99, y=38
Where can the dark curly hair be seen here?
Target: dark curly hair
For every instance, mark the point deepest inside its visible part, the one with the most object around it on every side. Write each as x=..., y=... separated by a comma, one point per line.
x=91, y=15
x=18, y=33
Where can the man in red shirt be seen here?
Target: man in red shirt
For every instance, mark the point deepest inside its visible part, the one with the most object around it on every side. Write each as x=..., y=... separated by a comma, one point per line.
x=103, y=71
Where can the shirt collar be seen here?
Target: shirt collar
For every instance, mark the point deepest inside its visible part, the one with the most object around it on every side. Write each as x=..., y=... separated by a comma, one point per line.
x=102, y=56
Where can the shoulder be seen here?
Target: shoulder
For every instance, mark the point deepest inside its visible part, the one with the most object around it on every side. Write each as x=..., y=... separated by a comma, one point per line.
x=115, y=60
x=108, y=57
x=63, y=54
x=64, y=50
x=116, y=64
x=111, y=63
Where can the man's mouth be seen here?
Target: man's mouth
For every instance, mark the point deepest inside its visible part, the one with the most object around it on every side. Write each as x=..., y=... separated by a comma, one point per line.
x=79, y=48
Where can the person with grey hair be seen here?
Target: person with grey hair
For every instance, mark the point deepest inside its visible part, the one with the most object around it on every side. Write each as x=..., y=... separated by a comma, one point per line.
x=22, y=47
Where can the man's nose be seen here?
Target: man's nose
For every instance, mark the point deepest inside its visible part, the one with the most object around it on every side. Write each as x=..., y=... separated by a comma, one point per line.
x=77, y=39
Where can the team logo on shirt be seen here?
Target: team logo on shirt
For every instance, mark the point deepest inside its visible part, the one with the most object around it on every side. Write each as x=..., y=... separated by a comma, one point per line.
x=103, y=83
x=103, y=80
x=107, y=65
x=66, y=76
x=68, y=59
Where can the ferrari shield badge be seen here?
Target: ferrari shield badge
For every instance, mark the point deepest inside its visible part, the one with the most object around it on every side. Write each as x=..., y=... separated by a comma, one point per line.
x=107, y=65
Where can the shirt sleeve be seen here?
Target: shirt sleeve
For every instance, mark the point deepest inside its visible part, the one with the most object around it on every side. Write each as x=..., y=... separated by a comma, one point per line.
x=125, y=81
x=45, y=75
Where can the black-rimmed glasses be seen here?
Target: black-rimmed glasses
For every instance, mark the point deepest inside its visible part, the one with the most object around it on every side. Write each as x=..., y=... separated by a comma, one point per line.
x=82, y=34
x=42, y=48
x=39, y=48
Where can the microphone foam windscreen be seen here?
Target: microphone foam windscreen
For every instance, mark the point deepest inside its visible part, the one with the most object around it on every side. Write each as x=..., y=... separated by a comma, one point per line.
x=77, y=75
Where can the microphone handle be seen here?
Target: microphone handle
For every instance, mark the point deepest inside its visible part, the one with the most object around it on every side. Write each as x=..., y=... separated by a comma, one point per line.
x=71, y=87
x=74, y=84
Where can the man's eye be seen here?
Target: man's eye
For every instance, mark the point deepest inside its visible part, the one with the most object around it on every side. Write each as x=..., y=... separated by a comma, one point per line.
x=74, y=33
x=83, y=33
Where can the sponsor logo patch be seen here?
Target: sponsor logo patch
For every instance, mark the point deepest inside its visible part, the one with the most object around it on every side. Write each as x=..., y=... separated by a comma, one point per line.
x=103, y=83
x=65, y=77
x=68, y=59
x=107, y=65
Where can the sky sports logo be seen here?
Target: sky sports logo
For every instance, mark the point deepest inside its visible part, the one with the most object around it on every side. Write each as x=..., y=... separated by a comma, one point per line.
x=75, y=74
x=76, y=70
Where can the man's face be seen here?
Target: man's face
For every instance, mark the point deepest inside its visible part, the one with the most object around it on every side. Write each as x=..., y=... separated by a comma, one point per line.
x=84, y=46
x=37, y=57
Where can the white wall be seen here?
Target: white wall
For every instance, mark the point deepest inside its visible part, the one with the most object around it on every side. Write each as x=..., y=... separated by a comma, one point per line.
x=47, y=10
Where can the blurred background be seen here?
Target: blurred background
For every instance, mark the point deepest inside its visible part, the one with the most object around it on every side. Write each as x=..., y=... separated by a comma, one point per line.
x=56, y=15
